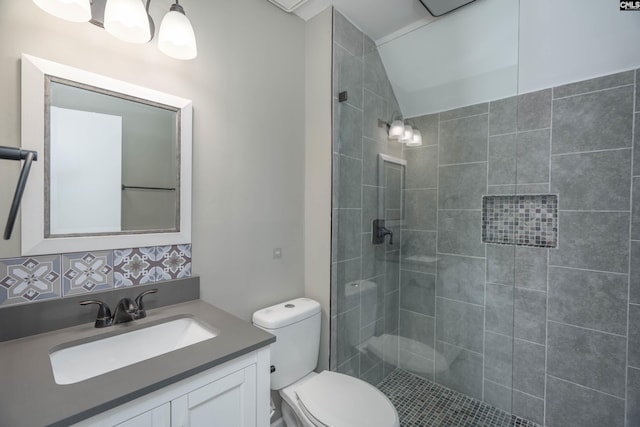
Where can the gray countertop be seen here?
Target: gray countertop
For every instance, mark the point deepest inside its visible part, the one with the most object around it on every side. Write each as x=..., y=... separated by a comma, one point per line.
x=30, y=397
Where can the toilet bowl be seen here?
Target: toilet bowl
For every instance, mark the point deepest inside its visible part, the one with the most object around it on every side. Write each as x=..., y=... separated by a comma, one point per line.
x=325, y=399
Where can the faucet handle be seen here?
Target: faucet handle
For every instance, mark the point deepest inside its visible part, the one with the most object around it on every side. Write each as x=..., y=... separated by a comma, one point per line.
x=104, y=313
x=142, y=313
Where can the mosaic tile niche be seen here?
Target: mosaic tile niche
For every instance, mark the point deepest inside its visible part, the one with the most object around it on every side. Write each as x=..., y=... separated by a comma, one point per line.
x=37, y=278
x=530, y=220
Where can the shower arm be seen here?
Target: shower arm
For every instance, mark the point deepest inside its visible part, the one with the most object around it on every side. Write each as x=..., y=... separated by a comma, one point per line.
x=12, y=153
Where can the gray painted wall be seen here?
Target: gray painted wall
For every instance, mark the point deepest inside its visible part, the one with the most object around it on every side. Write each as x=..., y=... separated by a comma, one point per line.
x=248, y=177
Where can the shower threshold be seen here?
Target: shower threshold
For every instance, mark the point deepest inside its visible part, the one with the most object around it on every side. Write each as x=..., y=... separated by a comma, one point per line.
x=422, y=403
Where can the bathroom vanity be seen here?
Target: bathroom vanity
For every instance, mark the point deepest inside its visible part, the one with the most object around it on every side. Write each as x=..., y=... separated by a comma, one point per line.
x=222, y=381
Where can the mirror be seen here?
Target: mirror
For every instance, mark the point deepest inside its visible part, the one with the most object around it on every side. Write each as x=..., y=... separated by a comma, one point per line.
x=117, y=162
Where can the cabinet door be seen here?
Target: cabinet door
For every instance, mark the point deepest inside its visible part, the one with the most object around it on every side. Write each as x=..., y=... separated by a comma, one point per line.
x=157, y=417
x=227, y=402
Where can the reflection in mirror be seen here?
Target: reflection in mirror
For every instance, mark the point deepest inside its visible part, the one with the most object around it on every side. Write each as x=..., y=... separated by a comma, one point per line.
x=117, y=162
x=135, y=185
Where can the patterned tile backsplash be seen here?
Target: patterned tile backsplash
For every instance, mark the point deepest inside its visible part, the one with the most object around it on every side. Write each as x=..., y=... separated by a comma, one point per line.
x=24, y=280
x=530, y=220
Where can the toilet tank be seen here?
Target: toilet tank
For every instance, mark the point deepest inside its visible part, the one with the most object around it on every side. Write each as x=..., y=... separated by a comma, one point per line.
x=296, y=325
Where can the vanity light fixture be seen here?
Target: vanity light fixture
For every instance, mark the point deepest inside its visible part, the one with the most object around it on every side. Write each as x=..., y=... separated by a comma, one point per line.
x=130, y=21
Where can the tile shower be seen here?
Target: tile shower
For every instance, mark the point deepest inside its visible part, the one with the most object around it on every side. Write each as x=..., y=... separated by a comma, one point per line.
x=549, y=334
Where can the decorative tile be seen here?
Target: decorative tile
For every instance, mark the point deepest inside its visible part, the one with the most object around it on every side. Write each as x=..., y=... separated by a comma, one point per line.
x=171, y=262
x=132, y=266
x=521, y=220
x=87, y=272
x=24, y=280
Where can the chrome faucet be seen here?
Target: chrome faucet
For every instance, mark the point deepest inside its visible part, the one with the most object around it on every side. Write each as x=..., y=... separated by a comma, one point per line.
x=126, y=310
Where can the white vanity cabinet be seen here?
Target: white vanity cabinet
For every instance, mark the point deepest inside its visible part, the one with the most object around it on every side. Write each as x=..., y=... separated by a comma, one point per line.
x=234, y=394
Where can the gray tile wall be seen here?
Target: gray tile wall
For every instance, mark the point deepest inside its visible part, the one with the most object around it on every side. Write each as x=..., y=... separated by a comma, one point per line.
x=365, y=279
x=550, y=334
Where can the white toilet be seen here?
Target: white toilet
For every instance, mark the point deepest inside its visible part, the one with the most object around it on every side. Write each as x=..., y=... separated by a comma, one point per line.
x=327, y=399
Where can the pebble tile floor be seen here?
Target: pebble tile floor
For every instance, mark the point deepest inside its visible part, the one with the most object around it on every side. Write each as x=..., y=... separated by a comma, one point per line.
x=422, y=403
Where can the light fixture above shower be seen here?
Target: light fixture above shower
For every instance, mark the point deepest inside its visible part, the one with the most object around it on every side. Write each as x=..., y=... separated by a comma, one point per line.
x=403, y=132
x=130, y=21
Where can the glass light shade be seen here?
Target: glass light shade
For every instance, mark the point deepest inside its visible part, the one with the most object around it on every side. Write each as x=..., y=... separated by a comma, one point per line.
x=69, y=10
x=127, y=20
x=396, y=130
x=416, y=141
x=176, y=38
x=407, y=135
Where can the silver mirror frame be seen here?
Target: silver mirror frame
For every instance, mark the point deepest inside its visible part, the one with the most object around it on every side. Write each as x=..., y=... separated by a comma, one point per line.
x=34, y=73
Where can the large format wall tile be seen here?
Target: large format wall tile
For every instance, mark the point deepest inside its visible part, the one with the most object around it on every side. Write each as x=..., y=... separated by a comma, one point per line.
x=347, y=134
x=348, y=334
x=370, y=151
x=373, y=258
x=589, y=358
x=592, y=85
x=347, y=188
x=422, y=167
x=459, y=324
x=417, y=327
x=503, y=116
x=500, y=264
x=421, y=209
x=633, y=397
x=595, y=121
x=498, y=358
x=346, y=228
x=528, y=407
x=529, y=313
x=375, y=76
x=464, y=140
x=571, y=405
x=498, y=395
x=534, y=110
x=347, y=76
x=462, y=186
x=589, y=299
x=459, y=113
x=499, y=309
x=391, y=312
x=502, y=159
x=465, y=370
x=634, y=335
x=428, y=127
x=345, y=277
x=419, y=251
x=528, y=367
x=347, y=35
x=461, y=278
x=634, y=291
x=533, y=156
x=636, y=141
x=635, y=217
x=374, y=108
x=531, y=268
x=593, y=240
x=460, y=233
x=593, y=181
x=418, y=292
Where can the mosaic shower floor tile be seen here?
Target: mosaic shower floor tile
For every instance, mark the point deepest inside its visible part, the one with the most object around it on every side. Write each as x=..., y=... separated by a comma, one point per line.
x=422, y=403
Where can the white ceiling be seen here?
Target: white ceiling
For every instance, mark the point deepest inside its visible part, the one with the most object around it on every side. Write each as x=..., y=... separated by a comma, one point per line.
x=382, y=20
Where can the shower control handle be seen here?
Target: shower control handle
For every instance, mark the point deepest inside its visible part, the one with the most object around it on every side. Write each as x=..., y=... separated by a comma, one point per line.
x=379, y=232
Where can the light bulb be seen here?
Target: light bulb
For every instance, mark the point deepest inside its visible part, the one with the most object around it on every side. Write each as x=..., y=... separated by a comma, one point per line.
x=407, y=135
x=396, y=130
x=416, y=141
x=69, y=10
x=127, y=20
x=176, y=38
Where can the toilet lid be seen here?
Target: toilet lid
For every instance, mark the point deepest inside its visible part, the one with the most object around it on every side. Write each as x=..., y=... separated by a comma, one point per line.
x=338, y=400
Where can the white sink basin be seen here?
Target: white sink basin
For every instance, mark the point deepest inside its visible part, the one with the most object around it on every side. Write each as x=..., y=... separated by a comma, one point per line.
x=83, y=361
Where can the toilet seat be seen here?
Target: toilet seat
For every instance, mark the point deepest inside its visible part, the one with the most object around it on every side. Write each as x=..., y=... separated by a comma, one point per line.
x=330, y=399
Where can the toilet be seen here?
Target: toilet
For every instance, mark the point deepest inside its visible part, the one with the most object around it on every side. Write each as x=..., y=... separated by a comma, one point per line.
x=310, y=399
